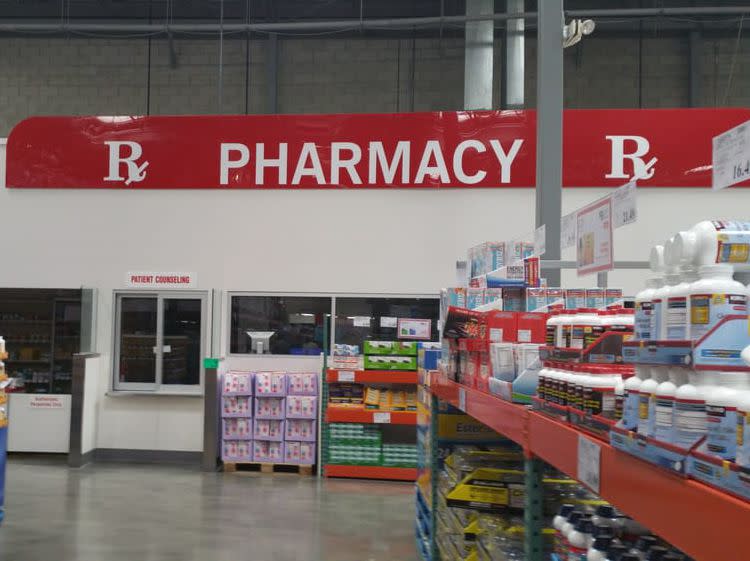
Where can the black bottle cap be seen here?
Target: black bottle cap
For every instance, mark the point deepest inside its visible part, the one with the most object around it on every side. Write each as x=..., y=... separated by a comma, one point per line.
x=606, y=511
x=627, y=557
x=616, y=550
x=656, y=552
x=566, y=509
x=644, y=542
x=602, y=530
x=602, y=543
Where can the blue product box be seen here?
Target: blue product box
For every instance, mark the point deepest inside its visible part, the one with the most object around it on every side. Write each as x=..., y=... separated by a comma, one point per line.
x=536, y=299
x=595, y=298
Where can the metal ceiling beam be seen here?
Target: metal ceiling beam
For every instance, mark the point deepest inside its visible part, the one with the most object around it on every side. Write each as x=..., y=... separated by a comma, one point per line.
x=655, y=12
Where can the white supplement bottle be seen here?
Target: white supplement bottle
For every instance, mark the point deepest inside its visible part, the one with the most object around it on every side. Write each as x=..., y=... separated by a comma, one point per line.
x=690, y=420
x=661, y=297
x=721, y=413
x=644, y=309
x=713, y=297
x=665, y=398
x=677, y=312
x=647, y=399
x=632, y=396
x=566, y=327
x=557, y=523
x=554, y=326
x=582, y=325
x=619, y=398
x=579, y=540
x=567, y=528
x=743, y=430
x=656, y=261
x=716, y=241
x=598, y=549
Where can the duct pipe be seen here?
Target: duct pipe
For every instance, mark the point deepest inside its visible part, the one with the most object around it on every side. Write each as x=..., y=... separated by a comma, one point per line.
x=513, y=81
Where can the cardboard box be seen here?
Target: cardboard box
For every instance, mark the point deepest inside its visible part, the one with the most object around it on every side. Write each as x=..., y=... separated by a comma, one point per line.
x=378, y=347
x=532, y=327
x=502, y=326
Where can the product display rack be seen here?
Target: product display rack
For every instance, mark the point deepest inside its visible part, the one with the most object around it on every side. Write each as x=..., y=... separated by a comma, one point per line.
x=680, y=510
x=344, y=414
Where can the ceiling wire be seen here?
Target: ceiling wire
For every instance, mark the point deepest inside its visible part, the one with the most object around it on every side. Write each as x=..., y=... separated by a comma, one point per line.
x=734, y=61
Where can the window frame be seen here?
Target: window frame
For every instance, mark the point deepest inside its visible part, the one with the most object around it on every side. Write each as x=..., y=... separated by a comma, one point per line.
x=331, y=295
x=158, y=387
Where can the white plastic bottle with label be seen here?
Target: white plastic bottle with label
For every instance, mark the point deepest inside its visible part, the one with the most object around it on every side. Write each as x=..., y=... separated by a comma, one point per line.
x=677, y=312
x=721, y=413
x=661, y=297
x=566, y=326
x=743, y=430
x=554, y=326
x=598, y=549
x=582, y=324
x=690, y=420
x=656, y=261
x=646, y=399
x=542, y=383
x=664, y=406
x=644, y=309
x=713, y=297
x=716, y=241
x=557, y=523
x=579, y=540
x=567, y=528
x=631, y=399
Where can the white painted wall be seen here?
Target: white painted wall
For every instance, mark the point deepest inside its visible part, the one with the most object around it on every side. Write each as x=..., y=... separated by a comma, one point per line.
x=302, y=241
x=92, y=397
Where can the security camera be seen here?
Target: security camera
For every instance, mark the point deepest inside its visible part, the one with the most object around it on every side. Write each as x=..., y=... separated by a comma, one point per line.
x=574, y=31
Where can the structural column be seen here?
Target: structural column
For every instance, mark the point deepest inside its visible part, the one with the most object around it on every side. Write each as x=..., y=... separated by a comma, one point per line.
x=513, y=81
x=478, y=57
x=549, y=95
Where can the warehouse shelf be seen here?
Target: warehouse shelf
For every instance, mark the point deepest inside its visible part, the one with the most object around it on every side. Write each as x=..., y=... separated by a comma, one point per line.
x=334, y=375
x=664, y=501
x=354, y=415
x=371, y=472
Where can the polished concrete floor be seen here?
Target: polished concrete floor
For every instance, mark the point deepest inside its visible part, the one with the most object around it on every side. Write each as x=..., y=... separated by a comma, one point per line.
x=118, y=512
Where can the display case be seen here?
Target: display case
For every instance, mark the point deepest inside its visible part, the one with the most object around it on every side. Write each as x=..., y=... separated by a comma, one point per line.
x=43, y=331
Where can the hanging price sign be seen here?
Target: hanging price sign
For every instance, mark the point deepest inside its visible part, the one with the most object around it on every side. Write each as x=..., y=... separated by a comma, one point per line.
x=730, y=157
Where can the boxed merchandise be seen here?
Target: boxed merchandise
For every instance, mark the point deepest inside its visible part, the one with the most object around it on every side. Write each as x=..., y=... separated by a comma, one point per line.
x=236, y=406
x=301, y=407
x=507, y=276
x=270, y=384
x=237, y=429
x=536, y=299
x=377, y=362
x=237, y=383
x=237, y=450
x=269, y=407
x=300, y=429
x=502, y=326
x=555, y=299
x=513, y=299
x=612, y=296
x=345, y=350
x=302, y=453
x=267, y=429
x=575, y=298
x=378, y=347
x=474, y=298
x=486, y=257
x=532, y=327
x=595, y=298
x=407, y=348
x=268, y=451
x=348, y=362
x=455, y=297
x=503, y=361
x=492, y=296
x=302, y=383
x=349, y=393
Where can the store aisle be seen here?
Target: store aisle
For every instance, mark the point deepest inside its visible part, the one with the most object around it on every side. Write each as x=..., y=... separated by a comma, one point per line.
x=126, y=512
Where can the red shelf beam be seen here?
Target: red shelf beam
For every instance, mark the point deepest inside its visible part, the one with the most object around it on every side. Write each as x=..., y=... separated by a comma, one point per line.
x=371, y=376
x=353, y=415
x=682, y=511
x=371, y=472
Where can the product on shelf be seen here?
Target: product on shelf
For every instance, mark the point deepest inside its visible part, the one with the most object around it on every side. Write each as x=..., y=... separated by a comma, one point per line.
x=270, y=408
x=268, y=451
x=302, y=383
x=268, y=384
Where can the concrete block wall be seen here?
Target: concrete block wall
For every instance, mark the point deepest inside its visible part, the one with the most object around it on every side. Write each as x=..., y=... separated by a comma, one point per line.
x=46, y=76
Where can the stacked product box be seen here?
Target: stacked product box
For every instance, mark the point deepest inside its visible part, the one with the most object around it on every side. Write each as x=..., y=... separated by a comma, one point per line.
x=270, y=411
x=237, y=417
x=300, y=434
x=354, y=444
x=390, y=355
x=400, y=455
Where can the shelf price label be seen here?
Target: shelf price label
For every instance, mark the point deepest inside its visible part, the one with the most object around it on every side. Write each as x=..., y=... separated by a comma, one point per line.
x=462, y=399
x=589, y=463
x=346, y=376
x=730, y=157
x=381, y=418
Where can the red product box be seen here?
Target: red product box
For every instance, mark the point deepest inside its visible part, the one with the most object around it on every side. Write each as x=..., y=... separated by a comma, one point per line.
x=502, y=326
x=532, y=327
x=531, y=271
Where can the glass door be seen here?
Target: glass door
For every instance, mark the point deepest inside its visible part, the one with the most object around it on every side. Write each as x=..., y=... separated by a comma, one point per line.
x=160, y=341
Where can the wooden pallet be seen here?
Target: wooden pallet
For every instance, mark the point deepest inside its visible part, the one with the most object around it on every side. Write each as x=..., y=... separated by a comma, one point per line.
x=262, y=467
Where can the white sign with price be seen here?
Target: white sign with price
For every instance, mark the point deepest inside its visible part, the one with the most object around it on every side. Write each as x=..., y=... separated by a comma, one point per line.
x=589, y=463
x=624, y=209
x=381, y=418
x=462, y=399
x=346, y=376
x=731, y=157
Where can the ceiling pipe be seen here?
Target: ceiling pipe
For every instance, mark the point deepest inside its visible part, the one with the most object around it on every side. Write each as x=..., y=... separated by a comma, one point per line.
x=655, y=12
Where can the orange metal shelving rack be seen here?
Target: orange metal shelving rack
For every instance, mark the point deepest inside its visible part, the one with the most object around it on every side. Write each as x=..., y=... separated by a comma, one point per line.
x=705, y=523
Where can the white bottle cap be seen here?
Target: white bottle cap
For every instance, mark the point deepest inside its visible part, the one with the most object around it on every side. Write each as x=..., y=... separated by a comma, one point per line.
x=684, y=246
x=656, y=259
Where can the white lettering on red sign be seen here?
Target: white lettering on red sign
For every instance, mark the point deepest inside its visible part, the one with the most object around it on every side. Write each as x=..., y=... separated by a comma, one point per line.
x=344, y=156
